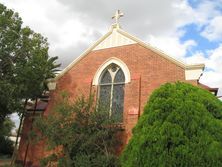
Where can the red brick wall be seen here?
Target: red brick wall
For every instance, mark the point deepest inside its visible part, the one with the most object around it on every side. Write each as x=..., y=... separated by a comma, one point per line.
x=35, y=150
x=148, y=71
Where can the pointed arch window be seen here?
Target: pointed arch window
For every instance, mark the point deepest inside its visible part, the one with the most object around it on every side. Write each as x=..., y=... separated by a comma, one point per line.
x=111, y=90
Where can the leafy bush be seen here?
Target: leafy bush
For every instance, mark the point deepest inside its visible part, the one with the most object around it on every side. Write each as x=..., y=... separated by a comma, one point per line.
x=6, y=146
x=181, y=126
x=84, y=132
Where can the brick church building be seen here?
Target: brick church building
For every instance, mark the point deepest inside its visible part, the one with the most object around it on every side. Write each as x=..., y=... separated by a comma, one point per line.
x=122, y=71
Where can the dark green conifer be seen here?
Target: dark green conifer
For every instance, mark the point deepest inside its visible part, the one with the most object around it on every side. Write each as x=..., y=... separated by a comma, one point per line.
x=181, y=126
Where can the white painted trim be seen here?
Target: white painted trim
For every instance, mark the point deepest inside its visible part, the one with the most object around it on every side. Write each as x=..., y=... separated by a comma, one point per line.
x=114, y=40
x=193, y=74
x=71, y=65
x=116, y=61
x=127, y=35
x=160, y=52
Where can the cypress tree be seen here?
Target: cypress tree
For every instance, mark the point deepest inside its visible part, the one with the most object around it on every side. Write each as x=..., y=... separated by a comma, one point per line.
x=181, y=126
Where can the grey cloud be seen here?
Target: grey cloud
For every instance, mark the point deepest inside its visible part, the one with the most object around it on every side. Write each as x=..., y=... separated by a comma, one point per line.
x=68, y=54
x=141, y=17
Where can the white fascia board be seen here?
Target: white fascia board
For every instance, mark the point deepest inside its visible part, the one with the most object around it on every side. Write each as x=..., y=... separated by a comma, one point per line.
x=115, y=39
x=193, y=74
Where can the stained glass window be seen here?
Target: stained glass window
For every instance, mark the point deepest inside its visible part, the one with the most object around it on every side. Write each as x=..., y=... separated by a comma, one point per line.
x=117, y=101
x=106, y=78
x=111, y=91
x=105, y=93
x=119, y=77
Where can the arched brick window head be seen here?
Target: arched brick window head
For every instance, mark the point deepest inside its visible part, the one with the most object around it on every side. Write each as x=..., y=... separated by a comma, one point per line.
x=111, y=91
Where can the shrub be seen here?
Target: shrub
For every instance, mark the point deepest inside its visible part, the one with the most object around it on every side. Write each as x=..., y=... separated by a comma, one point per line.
x=181, y=126
x=85, y=133
x=6, y=146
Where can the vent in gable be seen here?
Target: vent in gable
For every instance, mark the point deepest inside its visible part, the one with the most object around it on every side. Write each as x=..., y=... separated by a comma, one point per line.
x=113, y=40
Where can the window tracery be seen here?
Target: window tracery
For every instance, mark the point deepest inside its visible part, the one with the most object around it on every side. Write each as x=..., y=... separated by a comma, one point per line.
x=111, y=90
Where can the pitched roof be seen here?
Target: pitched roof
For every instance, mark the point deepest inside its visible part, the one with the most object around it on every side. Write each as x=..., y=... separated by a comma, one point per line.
x=117, y=37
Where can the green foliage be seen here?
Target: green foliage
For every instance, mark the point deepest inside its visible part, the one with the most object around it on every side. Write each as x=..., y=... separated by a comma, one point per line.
x=6, y=145
x=181, y=126
x=24, y=63
x=8, y=125
x=50, y=158
x=86, y=133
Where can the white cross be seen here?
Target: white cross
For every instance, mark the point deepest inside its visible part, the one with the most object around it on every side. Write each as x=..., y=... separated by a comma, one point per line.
x=117, y=15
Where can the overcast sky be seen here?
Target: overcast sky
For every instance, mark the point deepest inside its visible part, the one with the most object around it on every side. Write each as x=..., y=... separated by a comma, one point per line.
x=189, y=30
